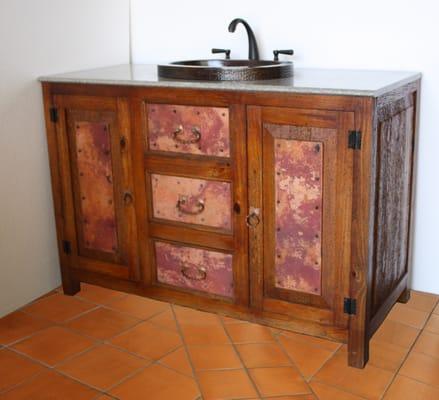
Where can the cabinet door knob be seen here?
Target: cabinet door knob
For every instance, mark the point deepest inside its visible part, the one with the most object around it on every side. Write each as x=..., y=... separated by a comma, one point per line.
x=127, y=197
x=253, y=218
x=123, y=142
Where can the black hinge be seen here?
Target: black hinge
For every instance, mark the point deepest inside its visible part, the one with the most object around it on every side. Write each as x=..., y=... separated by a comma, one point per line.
x=66, y=246
x=350, y=306
x=354, y=141
x=53, y=114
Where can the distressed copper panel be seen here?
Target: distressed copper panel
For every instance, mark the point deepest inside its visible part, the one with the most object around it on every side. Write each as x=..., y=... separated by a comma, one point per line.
x=298, y=196
x=209, y=201
x=191, y=268
x=212, y=122
x=93, y=152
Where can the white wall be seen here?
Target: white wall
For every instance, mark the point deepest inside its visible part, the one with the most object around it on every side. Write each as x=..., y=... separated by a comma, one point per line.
x=38, y=38
x=374, y=34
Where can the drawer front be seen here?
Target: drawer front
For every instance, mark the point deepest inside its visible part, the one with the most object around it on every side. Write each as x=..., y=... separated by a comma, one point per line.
x=197, y=269
x=186, y=129
x=194, y=201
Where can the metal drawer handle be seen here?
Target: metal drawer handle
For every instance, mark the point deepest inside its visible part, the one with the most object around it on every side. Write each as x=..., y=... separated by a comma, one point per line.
x=176, y=135
x=252, y=220
x=182, y=202
x=201, y=273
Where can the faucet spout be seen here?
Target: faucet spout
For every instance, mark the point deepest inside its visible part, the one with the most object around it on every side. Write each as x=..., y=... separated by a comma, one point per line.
x=253, y=52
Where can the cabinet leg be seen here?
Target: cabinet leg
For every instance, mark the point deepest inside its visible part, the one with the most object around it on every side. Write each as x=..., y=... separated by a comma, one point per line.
x=358, y=354
x=405, y=296
x=70, y=286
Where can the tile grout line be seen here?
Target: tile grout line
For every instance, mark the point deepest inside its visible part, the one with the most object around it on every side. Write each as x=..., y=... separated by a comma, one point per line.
x=409, y=352
x=180, y=332
x=276, y=338
x=240, y=358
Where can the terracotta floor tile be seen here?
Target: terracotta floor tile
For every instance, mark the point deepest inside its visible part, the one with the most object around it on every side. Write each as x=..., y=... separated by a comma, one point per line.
x=158, y=383
x=422, y=301
x=204, y=334
x=249, y=333
x=53, y=345
x=396, y=333
x=178, y=361
x=422, y=368
x=50, y=385
x=102, y=323
x=139, y=307
x=19, y=325
x=226, y=384
x=98, y=294
x=15, y=368
x=311, y=340
x=189, y=316
x=281, y=381
x=427, y=343
x=102, y=367
x=58, y=308
x=220, y=356
x=406, y=388
x=325, y=392
x=307, y=358
x=408, y=316
x=369, y=382
x=433, y=324
x=387, y=356
x=165, y=320
x=148, y=340
x=262, y=355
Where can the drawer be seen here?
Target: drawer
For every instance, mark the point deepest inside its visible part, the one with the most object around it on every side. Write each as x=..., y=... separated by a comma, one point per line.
x=187, y=129
x=193, y=201
x=192, y=268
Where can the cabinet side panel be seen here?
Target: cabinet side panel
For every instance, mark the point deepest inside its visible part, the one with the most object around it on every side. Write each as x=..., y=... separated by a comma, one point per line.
x=393, y=192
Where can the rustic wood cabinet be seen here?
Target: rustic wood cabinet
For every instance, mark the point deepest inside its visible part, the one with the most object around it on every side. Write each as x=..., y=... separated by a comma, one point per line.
x=289, y=209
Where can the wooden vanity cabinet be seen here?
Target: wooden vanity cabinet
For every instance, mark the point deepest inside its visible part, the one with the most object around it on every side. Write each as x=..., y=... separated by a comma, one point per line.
x=291, y=210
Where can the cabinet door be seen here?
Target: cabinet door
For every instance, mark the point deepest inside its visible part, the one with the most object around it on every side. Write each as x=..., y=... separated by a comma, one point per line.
x=99, y=218
x=300, y=195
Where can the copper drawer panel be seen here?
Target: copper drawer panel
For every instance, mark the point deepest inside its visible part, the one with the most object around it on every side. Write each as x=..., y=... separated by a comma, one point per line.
x=196, y=269
x=193, y=201
x=187, y=129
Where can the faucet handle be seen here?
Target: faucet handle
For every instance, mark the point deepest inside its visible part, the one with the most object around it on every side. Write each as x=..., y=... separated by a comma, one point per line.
x=226, y=51
x=277, y=52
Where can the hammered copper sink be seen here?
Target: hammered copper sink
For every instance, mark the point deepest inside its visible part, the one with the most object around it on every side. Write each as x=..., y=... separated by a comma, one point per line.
x=226, y=70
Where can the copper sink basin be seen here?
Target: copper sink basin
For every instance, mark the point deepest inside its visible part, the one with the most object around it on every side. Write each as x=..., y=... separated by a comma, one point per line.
x=226, y=70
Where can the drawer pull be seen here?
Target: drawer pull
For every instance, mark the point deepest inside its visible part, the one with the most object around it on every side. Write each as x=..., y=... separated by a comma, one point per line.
x=182, y=202
x=176, y=135
x=199, y=275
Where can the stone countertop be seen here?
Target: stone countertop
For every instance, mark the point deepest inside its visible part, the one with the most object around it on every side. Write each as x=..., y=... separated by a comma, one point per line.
x=305, y=80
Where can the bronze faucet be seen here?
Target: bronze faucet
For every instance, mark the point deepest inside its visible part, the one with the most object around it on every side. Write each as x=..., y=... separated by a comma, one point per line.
x=253, y=53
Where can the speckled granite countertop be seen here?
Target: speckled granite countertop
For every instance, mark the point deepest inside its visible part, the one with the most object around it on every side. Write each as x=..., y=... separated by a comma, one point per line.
x=305, y=80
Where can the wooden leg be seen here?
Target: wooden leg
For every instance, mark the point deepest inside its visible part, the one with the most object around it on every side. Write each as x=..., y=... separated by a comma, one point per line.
x=405, y=296
x=70, y=286
x=358, y=354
